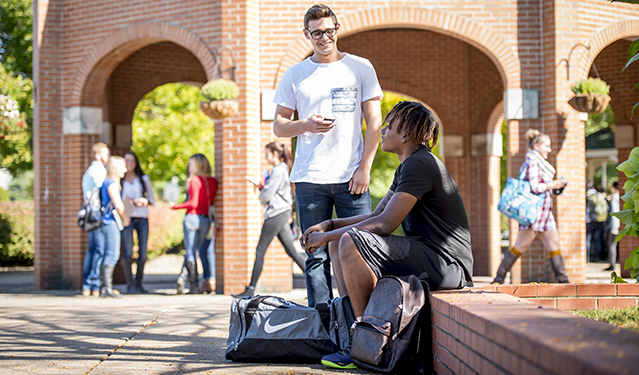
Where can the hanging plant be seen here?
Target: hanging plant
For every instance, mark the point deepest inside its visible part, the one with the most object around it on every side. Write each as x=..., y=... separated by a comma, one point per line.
x=220, y=95
x=591, y=96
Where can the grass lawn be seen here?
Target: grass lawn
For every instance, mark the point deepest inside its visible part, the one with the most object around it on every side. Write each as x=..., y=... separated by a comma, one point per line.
x=627, y=318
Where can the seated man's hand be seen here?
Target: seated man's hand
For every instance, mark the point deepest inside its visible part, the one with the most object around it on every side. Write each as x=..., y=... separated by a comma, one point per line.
x=317, y=228
x=315, y=240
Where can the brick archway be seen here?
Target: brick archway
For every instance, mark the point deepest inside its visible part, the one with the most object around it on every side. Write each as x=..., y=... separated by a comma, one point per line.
x=99, y=63
x=463, y=28
x=601, y=39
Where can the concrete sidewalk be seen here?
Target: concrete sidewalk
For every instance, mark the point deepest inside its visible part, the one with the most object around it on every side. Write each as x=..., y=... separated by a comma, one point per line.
x=61, y=332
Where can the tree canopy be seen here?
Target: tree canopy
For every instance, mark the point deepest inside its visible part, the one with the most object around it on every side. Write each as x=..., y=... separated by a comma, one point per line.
x=16, y=144
x=168, y=128
x=16, y=49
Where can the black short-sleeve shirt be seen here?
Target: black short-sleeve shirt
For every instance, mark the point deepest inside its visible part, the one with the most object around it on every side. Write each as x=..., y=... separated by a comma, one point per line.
x=439, y=217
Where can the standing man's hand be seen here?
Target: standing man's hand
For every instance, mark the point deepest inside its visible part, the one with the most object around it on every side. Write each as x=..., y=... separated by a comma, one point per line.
x=359, y=182
x=317, y=124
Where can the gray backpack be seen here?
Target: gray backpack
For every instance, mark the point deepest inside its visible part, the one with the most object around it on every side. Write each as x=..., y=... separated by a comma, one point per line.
x=393, y=335
x=272, y=329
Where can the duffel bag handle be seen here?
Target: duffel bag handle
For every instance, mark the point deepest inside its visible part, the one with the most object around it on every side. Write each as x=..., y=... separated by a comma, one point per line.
x=251, y=308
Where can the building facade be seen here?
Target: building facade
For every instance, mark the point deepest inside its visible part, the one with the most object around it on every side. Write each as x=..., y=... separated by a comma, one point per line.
x=475, y=64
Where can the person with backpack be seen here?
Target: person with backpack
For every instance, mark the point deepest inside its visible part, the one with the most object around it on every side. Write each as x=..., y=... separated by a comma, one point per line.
x=540, y=174
x=277, y=198
x=201, y=189
x=598, y=215
x=114, y=219
x=424, y=199
x=137, y=187
x=92, y=179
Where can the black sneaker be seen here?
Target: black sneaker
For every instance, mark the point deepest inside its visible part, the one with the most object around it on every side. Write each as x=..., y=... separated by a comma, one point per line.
x=340, y=360
x=248, y=292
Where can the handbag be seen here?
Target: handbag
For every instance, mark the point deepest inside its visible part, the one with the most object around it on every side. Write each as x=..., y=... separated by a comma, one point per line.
x=518, y=202
x=210, y=234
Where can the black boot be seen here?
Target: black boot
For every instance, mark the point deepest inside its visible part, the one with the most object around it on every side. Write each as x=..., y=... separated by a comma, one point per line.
x=128, y=275
x=181, y=280
x=106, y=276
x=557, y=265
x=506, y=264
x=194, y=287
x=138, y=277
x=248, y=292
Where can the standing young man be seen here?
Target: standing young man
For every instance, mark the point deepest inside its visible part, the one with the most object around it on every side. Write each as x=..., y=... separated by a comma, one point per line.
x=92, y=178
x=332, y=92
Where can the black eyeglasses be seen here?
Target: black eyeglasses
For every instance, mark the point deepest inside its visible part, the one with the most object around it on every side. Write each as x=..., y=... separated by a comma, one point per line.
x=317, y=34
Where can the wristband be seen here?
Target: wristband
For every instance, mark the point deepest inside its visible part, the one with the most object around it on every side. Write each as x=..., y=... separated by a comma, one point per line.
x=332, y=224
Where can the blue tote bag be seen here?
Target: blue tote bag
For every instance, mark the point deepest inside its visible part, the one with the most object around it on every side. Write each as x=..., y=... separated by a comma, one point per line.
x=519, y=202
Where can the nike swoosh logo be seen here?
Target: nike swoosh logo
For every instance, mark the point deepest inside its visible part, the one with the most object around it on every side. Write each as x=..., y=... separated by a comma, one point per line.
x=268, y=328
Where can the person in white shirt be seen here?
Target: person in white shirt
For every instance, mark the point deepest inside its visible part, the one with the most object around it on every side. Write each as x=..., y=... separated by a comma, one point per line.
x=332, y=92
x=614, y=226
x=136, y=186
x=93, y=177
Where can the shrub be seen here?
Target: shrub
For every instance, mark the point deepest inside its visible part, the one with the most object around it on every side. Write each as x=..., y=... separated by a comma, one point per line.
x=165, y=229
x=220, y=89
x=594, y=85
x=16, y=233
x=4, y=196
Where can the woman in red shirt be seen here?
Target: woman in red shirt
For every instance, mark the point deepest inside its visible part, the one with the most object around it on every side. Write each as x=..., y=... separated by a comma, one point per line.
x=201, y=188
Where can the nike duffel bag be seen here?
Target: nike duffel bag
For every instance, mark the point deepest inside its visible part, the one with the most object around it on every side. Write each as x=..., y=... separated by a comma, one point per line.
x=272, y=329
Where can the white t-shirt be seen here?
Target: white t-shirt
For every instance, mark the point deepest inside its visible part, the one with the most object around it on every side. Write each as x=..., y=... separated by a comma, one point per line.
x=334, y=90
x=133, y=190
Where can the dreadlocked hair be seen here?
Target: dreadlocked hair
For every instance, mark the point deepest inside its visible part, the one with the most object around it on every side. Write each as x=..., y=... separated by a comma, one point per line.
x=416, y=121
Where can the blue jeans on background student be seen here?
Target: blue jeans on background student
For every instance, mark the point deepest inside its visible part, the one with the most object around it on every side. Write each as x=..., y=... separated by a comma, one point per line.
x=92, y=262
x=107, y=241
x=141, y=226
x=207, y=257
x=315, y=204
x=195, y=228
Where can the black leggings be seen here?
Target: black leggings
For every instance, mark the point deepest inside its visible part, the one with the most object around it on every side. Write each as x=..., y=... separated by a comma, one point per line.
x=277, y=225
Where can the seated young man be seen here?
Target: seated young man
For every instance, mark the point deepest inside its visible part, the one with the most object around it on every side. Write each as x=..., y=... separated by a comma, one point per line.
x=424, y=199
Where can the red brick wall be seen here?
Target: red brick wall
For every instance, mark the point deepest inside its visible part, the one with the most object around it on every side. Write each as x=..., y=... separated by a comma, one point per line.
x=84, y=61
x=492, y=333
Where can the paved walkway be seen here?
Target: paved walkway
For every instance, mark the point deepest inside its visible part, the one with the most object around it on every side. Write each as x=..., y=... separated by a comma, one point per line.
x=61, y=332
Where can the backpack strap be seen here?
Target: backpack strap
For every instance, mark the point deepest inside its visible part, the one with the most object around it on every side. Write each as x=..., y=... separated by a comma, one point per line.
x=425, y=344
x=325, y=315
x=251, y=309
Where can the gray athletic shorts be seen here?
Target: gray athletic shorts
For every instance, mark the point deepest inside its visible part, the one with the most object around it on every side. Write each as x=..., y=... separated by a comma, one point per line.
x=400, y=256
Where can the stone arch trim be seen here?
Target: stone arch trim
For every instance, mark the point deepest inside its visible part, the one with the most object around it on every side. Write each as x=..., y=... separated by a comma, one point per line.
x=495, y=119
x=602, y=38
x=146, y=87
x=99, y=63
x=463, y=28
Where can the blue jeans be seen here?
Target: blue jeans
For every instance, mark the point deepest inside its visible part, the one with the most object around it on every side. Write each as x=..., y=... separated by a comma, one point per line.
x=207, y=256
x=315, y=204
x=107, y=240
x=195, y=228
x=141, y=226
x=92, y=262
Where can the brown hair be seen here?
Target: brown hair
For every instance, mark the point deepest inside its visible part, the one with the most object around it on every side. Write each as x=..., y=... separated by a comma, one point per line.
x=535, y=137
x=203, y=166
x=283, y=153
x=418, y=121
x=97, y=147
x=317, y=12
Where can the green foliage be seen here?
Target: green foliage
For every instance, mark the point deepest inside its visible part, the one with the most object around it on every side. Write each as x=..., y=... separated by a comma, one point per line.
x=589, y=85
x=165, y=229
x=220, y=89
x=16, y=145
x=616, y=279
x=627, y=317
x=629, y=216
x=16, y=233
x=600, y=121
x=16, y=34
x=21, y=187
x=4, y=196
x=611, y=175
x=168, y=128
x=633, y=55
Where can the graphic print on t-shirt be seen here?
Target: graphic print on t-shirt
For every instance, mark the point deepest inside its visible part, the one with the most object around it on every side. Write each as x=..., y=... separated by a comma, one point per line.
x=344, y=99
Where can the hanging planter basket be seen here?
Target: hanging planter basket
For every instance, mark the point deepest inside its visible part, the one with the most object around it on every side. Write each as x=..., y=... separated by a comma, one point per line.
x=590, y=103
x=220, y=109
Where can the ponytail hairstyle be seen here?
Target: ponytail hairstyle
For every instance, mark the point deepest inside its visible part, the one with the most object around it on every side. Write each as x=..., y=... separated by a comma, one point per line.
x=535, y=137
x=417, y=122
x=283, y=153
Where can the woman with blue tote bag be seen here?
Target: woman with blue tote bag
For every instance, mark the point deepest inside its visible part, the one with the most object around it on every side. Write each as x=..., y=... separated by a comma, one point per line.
x=539, y=173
